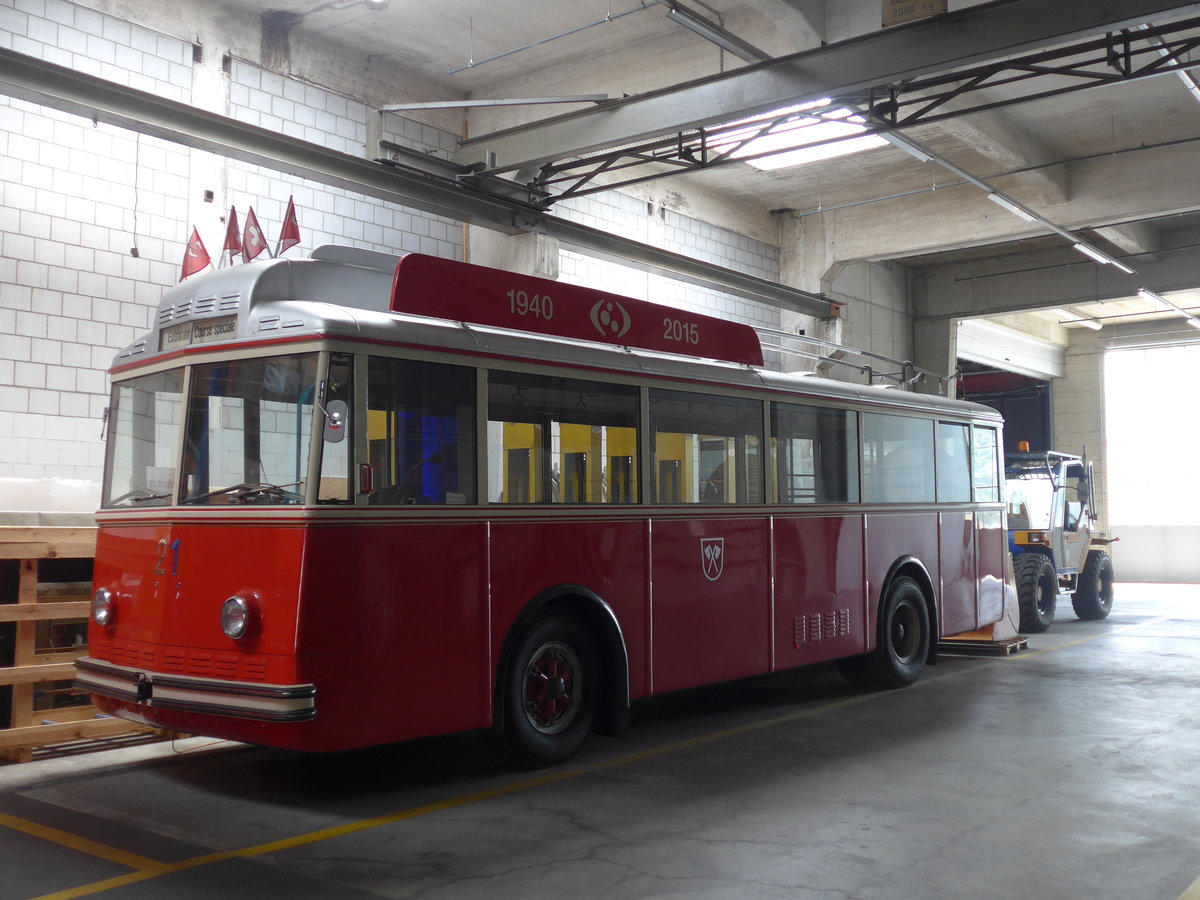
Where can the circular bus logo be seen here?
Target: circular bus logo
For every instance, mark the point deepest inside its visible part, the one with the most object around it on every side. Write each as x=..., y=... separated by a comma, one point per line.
x=610, y=318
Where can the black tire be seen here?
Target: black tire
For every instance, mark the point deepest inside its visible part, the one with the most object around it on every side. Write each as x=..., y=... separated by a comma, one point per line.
x=903, y=642
x=1094, y=597
x=1037, y=591
x=550, y=691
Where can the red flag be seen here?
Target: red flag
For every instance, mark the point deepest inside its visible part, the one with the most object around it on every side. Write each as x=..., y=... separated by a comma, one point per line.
x=195, y=257
x=253, y=242
x=289, y=234
x=233, y=236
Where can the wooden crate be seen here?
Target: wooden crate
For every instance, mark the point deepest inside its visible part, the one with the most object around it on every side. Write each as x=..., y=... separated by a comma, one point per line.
x=49, y=624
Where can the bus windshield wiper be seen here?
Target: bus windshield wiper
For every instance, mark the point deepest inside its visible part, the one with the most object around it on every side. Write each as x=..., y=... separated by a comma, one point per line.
x=240, y=492
x=139, y=495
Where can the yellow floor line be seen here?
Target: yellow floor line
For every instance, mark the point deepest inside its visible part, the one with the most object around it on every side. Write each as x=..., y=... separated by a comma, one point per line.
x=159, y=869
x=83, y=845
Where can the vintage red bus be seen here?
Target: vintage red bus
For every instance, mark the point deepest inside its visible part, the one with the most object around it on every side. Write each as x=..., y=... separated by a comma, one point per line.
x=356, y=499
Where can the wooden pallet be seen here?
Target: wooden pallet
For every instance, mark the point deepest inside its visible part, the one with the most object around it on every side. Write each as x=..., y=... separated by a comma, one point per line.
x=982, y=647
x=52, y=606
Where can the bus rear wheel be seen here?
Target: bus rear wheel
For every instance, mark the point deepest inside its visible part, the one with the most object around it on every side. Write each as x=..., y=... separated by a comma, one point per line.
x=904, y=635
x=549, y=693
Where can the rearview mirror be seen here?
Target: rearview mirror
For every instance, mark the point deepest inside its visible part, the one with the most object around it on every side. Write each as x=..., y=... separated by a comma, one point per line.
x=336, y=415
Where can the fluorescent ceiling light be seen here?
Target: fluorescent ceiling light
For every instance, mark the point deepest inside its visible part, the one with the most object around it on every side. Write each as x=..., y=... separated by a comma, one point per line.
x=711, y=31
x=1093, y=253
x=1005, y=203
x=903, y=144
x=1195, y=323
x=1094, y=324
x=1147, y=294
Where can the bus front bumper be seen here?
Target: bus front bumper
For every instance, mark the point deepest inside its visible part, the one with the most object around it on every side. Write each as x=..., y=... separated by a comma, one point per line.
x=235, y=699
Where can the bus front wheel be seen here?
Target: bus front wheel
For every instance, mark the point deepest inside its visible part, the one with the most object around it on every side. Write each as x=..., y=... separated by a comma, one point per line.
x=549, y=693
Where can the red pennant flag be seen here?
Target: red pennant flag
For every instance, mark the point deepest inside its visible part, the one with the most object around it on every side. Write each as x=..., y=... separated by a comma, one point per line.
x=195, y=257
x=233, y=236
x=289, y=234
x=253, y=242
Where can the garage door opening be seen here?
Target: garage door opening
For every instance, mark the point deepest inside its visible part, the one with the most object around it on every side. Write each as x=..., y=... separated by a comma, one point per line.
x=1152, y=434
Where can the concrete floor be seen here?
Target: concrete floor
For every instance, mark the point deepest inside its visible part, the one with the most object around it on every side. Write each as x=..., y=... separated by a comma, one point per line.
x=1071, y=770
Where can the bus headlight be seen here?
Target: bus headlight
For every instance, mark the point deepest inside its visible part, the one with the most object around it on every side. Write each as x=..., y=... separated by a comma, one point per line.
x=104, y=608
x=237, y=619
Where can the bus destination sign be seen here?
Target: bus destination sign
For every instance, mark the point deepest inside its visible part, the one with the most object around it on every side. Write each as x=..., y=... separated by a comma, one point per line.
x=429, y=286
x=200, y=331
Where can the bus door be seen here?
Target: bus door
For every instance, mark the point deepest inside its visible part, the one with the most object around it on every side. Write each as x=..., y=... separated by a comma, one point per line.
x=709, y=567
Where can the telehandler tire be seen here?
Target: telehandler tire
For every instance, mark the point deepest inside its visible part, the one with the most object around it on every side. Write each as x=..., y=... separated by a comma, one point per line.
x=1037, y=591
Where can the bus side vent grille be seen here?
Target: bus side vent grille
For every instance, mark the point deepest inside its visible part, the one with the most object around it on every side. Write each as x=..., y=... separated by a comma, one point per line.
x=204, y=307
x=820, y=626
x=175, y=661
x=229, y=303
x=199, y=664
x=837, y=623
x=226, y=666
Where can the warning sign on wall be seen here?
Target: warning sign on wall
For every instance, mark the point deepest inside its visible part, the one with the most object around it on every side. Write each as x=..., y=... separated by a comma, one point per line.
x=897, y=11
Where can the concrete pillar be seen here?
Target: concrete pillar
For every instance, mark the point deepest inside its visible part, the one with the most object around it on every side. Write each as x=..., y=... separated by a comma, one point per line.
x=806, y=261
x=935, y=347
x=527, y=254
x=1077, y=402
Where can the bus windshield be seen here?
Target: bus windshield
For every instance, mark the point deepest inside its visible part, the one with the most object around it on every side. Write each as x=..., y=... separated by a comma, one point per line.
x=144, y=418
x=248, y=431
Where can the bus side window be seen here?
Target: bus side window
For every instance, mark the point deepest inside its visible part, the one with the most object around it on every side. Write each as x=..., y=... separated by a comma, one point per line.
x=420, y=432
x=985, y=465
x=707, y=449
x=897, y=459
x=953, y=463
x=815, y=454
x=561, y=440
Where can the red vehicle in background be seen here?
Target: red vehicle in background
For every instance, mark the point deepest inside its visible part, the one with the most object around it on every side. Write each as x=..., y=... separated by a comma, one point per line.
x=355, y=499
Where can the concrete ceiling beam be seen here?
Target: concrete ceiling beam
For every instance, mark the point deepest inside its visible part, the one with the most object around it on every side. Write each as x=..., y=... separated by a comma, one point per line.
x=1134, y=238
x=1155, y=184
x=1052, y=279
x=965, y=37
x=800, y=22
x=995, y=135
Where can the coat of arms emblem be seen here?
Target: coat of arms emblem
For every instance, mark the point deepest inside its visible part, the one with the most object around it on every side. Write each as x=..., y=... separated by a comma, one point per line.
x=712, y=556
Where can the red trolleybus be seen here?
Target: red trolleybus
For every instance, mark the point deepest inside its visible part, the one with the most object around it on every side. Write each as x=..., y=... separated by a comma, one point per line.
x=356, y=499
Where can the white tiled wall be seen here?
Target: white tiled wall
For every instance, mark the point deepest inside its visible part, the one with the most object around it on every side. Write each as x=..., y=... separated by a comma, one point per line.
x=76, y=198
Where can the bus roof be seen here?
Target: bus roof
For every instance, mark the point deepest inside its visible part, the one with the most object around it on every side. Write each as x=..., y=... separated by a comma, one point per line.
x=344, y=292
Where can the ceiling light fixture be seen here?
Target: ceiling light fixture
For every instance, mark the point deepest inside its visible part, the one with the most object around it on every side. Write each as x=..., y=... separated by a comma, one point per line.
x=711, y=31
x=1103, y=259
x=1195, y=323
x=1092, y=252
x=903, y=144
x=1094, y=324
x=1019, y=211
